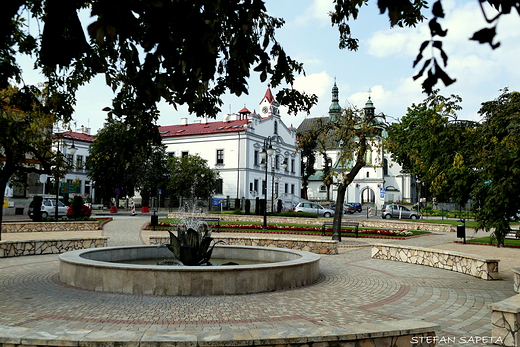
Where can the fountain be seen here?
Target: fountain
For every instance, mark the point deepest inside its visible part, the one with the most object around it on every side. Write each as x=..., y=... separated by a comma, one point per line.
x=111, y=269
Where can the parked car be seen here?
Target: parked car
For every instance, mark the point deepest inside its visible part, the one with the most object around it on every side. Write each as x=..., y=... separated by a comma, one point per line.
x=312, y=207
x=398, y=211
x=48, y=208
x=357, y=206
x=347, y=208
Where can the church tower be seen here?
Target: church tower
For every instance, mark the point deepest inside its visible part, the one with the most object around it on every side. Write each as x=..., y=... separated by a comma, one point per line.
x=268, y=105
x=369, y=108
x=335, y=108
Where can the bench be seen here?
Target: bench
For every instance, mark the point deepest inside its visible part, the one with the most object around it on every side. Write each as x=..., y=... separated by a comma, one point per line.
x=328, y=225
x=512, y=235
x=208, y=219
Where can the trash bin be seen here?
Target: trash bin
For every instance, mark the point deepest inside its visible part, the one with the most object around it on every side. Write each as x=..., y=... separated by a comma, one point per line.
x=461, y=231
x=154, y=221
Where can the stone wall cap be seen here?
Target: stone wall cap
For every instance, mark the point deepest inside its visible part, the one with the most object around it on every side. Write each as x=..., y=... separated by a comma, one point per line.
x=434, y=250
x=249, y=337
x=511, y=305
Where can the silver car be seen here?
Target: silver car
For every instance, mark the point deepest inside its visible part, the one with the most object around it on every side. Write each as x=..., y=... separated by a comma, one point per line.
x=312, y=207
x=398, y=211
x=48, y=208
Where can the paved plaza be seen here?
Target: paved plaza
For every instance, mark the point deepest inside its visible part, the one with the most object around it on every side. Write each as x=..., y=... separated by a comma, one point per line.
x=353, y=288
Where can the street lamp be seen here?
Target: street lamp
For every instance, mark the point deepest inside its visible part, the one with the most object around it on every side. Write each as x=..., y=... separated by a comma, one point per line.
x=267, y=151
x=72, y=150
x=284, y=166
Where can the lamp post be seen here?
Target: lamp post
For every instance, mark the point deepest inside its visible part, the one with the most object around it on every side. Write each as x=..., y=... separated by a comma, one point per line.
x=284, y=166
x=71, y=151
x=267, y=151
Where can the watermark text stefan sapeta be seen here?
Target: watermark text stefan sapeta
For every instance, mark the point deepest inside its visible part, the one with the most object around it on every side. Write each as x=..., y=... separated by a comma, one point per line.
x=446, y=340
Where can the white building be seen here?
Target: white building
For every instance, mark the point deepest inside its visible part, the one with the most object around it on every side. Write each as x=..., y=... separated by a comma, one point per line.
x=76, y=179
x=381, y=180
x=233, y=147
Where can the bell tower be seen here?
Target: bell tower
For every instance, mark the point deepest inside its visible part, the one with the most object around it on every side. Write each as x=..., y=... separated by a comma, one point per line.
x=335, y=108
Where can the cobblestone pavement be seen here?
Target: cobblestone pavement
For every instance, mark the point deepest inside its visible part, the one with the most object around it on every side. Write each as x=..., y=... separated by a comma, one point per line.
x=353, y=289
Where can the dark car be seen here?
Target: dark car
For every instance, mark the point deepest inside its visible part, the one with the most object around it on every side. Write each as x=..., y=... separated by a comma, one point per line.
x=347, y=208
x=357, y=206
x=398, y=211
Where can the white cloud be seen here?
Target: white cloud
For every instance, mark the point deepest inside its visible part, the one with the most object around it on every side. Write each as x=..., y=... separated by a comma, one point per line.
x=316, y=14
x=318, y=83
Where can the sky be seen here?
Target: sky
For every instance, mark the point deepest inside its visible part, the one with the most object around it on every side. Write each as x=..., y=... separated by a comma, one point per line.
x=381, y=68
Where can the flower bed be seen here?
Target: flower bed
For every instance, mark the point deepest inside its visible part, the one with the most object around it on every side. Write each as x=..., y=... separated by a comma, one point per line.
x=302, y=230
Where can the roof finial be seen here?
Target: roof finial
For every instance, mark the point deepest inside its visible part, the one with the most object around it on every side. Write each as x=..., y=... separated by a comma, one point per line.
x=369, y=91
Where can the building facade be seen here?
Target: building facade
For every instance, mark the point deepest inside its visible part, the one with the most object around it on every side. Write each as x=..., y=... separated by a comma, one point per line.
x=19, y=194
x=233, y=148
x=380, y=181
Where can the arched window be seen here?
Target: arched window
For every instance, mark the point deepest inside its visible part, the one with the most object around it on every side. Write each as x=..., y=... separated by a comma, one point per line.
x=368, y=157
x=323, y=188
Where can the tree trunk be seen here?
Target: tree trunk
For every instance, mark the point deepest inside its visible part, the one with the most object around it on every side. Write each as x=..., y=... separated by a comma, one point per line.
x=338, y=213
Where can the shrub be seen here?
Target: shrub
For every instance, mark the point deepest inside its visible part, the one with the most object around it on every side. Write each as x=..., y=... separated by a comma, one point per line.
x=78, y=210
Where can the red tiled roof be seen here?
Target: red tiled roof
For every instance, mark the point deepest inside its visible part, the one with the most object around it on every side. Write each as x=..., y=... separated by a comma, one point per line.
x=202, y=129
x=244, y=110
x=75, y=136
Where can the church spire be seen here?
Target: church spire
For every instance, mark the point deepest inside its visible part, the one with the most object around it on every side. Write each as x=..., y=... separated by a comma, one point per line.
x=335, y=108
x=369, y=105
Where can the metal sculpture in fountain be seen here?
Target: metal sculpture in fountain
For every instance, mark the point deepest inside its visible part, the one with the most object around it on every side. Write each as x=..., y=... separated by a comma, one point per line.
x=192, y=247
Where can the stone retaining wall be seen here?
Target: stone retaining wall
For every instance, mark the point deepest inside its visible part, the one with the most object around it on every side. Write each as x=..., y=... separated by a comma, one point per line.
x=505, y=321
x=37, y=247
x=397, y=333
x=313, y=246
x=29, y=227
x=363, y=223
x=464, y=263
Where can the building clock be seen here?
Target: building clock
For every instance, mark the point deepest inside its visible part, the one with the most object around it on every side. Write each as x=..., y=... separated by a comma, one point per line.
x=265, y=109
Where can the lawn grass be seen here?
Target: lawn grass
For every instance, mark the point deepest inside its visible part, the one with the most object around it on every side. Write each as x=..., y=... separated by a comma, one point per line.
x=492, y=241
x=454, y=222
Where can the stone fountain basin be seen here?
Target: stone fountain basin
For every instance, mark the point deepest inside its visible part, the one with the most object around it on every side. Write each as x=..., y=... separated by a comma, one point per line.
x=283, y=269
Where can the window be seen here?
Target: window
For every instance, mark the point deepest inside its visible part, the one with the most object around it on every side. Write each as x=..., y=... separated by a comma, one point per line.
x=171, y=154
x=79, y=162
x=323, y=188
x=292, y=189
x=220, y=156
x=220, y=186
x=88, y=188
x=184, y=154
x=70, y=161
x=277, y=162
x=87, y=167
x=368, y=174
x=286, y=190
x=264, y=187
x=255, y=158
x=368, y=157
x=255, y=186
x=292, y=166
x=276, y=127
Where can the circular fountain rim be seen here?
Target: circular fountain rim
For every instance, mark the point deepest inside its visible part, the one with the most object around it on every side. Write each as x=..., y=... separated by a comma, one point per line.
x=77, y=256
x=294, y=268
